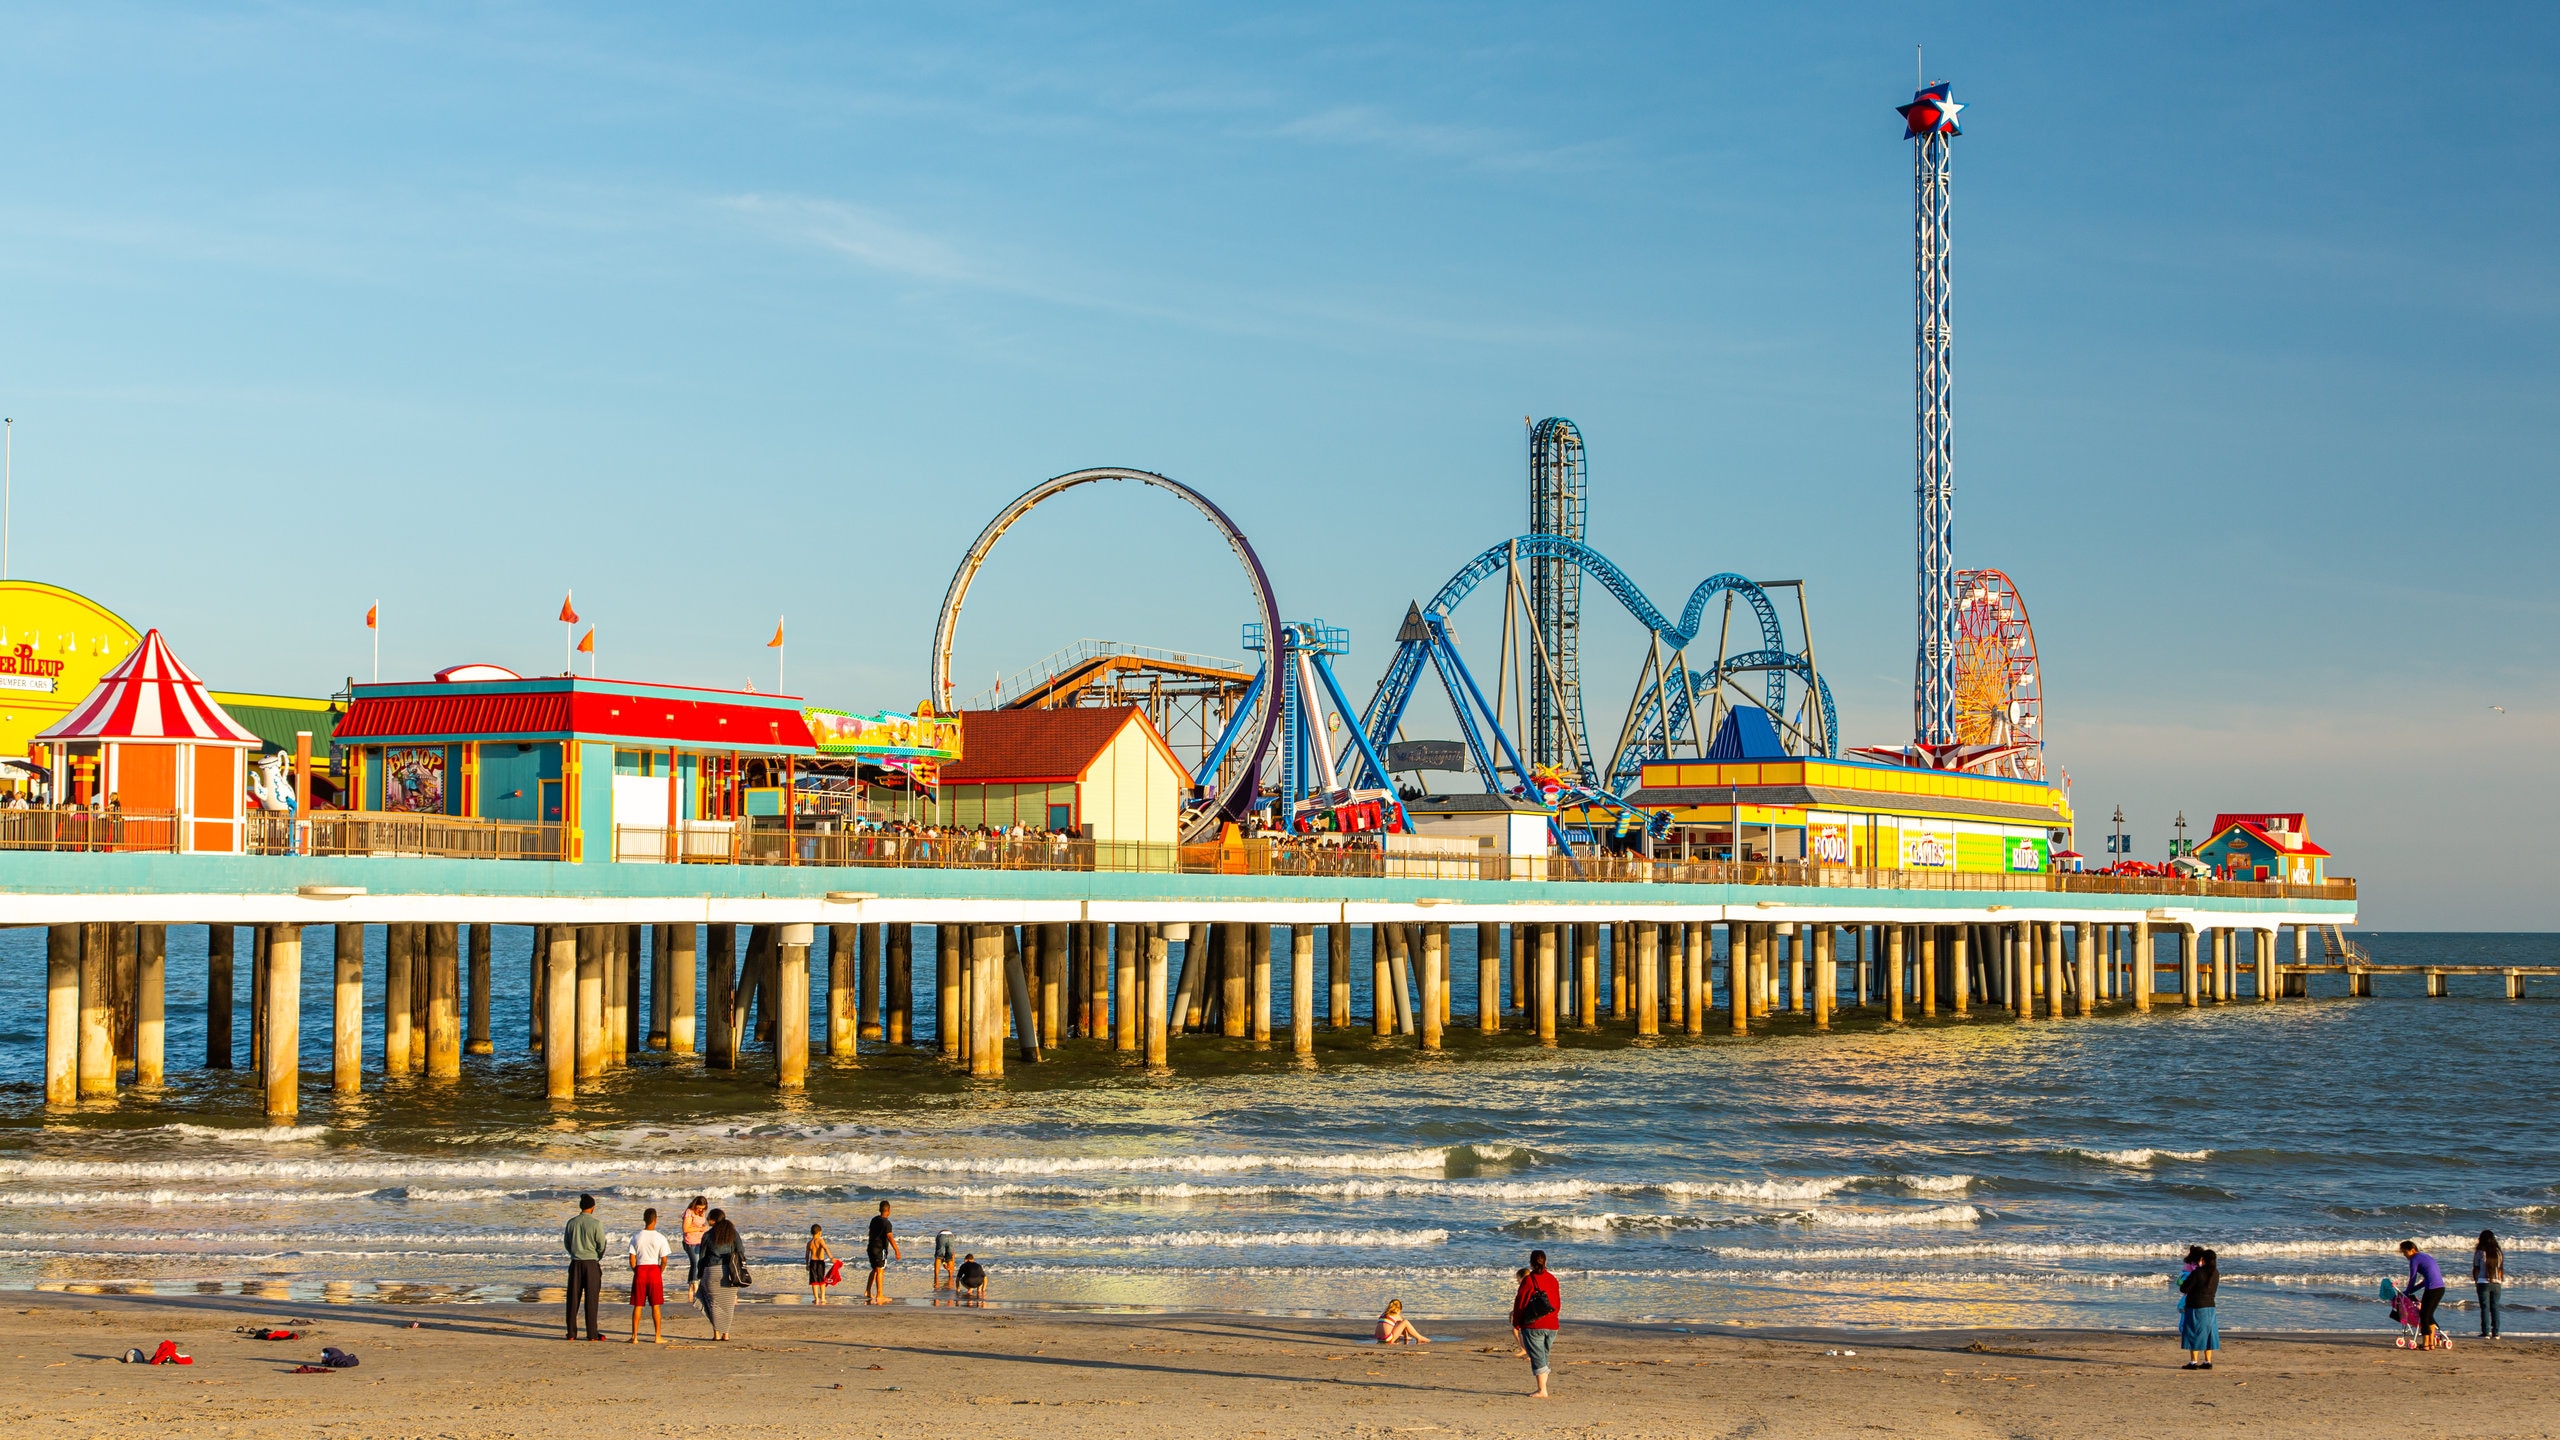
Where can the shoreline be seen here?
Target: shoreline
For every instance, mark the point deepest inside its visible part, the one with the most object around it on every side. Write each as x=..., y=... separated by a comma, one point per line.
x=1063, y=1375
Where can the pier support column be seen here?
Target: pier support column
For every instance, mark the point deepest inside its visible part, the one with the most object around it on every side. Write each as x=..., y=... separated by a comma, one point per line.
x=1693, y=979
x=1337, y=966
x=2436, y=985
x=151, y=1006
x=661, y=977
x=1648, y=1000
x=217, y=997
x=1826, y=979
x=1020, y=988
x=62, y=1014
x=1928, y=936
x=1401, y=960
x=791, y=1008
x=2022, y=970
x=1151, y=993
x=2145, y=966
x=1489, y=979
x=844, y=1003
x=987, y=999
x=1586, y=976
x=444, y=1002
x=683, y=959
x=560, y=1013
x=1128, y=975
x=592, y=1044
x=346, y=1010
x=2226, y=986
x=2085, y=947
x=537, y=987
x=397, y=958
x=475, y=1036
x=1302, y=990
x=1259, y=937
x=97, y=1011
x=282, y=1065
x=2187, y=940
x=2053, y=970
x=1545, y=997
x=1893, y=972
x=1703, y=979
x=946, y=992
x=1382, y=1003
x=1054, y=985
x=871, y=983
x=1434, y=976
x=1961, y=963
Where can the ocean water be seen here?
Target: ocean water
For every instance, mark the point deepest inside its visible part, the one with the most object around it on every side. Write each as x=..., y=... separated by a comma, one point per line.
x=1942, y=1173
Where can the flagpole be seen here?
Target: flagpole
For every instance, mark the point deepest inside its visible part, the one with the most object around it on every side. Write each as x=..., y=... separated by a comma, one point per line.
x=376, y=627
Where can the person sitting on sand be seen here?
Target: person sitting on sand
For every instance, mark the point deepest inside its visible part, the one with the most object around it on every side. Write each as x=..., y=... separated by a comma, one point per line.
x=971, y=1278
x=1394, y=1329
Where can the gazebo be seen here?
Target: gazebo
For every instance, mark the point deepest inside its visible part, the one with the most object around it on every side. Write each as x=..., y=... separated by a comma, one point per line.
x=150, y=740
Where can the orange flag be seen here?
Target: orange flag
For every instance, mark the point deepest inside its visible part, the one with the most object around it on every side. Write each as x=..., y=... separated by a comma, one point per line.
x=568, y=612
x=587, y=642
x=776, y=642
x=373, y=616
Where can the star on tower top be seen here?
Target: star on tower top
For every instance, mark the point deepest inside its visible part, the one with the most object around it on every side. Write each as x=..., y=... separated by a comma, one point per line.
x=1931, y=112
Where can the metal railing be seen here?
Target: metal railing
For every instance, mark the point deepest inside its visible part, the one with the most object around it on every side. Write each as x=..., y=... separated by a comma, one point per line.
x=370, y=832
x=68, y=828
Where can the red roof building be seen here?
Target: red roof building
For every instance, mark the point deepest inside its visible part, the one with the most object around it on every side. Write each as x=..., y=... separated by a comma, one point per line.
x=2264, y=846
x=1101, y=773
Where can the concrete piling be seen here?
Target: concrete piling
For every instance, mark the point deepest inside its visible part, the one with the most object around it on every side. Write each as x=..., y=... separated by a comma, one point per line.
x=281, y=1066
x=62, y=1014
x=97, y=1011
x=346, y=1010
x=560, y=1014
x=217, y=996
x=444, y=1003
x=151, y=1006
x=1302, y=989
x=476, y=1032
x=791, y=1007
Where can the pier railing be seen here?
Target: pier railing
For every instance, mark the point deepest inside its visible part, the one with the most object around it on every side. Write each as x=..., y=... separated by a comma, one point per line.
x=70, y=828
x=375, y=832
x=887, y=850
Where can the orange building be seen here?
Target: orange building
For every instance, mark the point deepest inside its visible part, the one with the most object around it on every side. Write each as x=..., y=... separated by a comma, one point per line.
x=150, y=740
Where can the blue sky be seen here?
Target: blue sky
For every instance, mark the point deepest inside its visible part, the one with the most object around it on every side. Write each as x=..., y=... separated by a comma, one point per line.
x=719, y=318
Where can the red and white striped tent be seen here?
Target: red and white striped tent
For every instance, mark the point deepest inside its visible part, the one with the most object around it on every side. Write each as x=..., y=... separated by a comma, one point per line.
x=151, y=740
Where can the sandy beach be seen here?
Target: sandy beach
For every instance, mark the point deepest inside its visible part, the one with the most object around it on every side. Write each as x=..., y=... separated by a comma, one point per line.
x=903, y=1369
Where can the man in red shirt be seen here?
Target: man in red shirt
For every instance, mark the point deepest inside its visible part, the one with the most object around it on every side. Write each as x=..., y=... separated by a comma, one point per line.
x=1533, y=1314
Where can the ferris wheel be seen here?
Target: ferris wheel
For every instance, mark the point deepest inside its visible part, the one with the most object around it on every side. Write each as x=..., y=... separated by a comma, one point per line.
x=1999, y=692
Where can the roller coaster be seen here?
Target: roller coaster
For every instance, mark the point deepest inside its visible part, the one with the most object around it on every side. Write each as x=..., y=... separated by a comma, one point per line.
x=1277, y=759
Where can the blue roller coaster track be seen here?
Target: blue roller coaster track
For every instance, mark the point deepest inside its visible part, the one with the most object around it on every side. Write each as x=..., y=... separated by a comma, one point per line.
x=1425, y=640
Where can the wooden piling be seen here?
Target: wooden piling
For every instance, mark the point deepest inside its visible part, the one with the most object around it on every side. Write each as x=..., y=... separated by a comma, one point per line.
x=1151, y=995
x=1435, y=957
x=791, y=1007
x=560, y=1014
x=1893, y=935
x=217, y=997
x=1259, y=938
x=1129, y=978
x=1302, y=989
x=844, y=1003
x=151, y=1006
x=475, y=1038
x=444, y=1003
x=346, y=1009
x=62, y=1014
x=97, y=1011
x=281, y=1069
x=593, y=1045
x=396, y=990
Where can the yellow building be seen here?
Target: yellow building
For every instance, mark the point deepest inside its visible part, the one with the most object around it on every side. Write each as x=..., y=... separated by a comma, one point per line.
x=1846, y=812
x=55, y=646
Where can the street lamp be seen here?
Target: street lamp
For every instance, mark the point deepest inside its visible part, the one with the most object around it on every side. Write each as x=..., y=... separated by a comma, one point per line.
x=2116, y=845
x=2181, y=847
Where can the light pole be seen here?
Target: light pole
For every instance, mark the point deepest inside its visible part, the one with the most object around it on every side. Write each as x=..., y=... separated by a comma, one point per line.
x=2181, y=847
x=2117, y=846
x=8, y=478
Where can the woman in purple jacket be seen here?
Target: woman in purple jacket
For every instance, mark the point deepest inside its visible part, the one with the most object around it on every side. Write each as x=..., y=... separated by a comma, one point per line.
x=2426, y=1280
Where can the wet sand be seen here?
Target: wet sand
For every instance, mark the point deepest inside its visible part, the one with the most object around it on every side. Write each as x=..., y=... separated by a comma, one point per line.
x=503, y=1370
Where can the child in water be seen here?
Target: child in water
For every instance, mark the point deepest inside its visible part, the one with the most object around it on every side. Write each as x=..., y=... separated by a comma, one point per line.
x=1394, y=1329
x=821, y=1260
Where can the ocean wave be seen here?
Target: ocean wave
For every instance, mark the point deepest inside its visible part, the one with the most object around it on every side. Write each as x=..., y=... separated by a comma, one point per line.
x=2142, y=1159
x=1890, y=1219
x=1811, y=1188
x=1938, y=1184
x=2384, y=1252
x=1218, y=1239
x=859, y=1163
x=1319, y=1190
x=1608, y=1222
x=263, y=1135
x=83, y=1199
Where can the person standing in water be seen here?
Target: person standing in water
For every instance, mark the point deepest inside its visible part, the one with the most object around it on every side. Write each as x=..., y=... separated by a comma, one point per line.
x=877, y=1247
x=2199, y=1323
x=1534, y=1312
x=2489, y=1279
x=820, y=1257
x=2426, y=1281
x=696, y=1219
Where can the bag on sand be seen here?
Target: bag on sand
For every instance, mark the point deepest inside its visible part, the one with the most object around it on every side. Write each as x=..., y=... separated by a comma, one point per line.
x=336, y=1359
x=169, y=1354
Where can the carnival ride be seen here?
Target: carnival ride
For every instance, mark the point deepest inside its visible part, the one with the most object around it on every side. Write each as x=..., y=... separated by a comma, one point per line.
x=1559, y=505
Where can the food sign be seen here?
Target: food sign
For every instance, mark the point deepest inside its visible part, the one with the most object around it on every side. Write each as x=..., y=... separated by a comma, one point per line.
x=922, y=737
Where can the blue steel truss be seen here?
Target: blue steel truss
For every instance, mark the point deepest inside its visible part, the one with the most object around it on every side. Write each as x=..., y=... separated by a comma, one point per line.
x=1653, y=742
x=1304, y=782
x=1430, y=645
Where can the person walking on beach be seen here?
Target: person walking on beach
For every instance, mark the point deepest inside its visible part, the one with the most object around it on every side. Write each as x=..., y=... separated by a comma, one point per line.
x=724, y=1273
x=946, y=1258
x=2426, y=1281
x=2489, y=1278
x=2199, y=1324
x=877, y=1248
x=696, y=1220
x=648, y=1257
x=1533, y=1313
x=820, y=1257
x=583, y=1238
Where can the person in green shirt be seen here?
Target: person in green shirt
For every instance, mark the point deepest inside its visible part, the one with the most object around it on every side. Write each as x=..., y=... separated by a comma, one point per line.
x=583, y=1238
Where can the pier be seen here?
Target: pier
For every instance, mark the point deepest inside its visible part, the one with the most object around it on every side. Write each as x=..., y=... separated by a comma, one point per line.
x=765, y=970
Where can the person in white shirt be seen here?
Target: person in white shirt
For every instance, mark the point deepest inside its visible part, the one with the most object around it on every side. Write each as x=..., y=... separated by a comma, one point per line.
x=648, y=1256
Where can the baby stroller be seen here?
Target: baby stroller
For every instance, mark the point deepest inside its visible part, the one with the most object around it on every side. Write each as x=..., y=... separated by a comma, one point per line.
x=2404, y=1312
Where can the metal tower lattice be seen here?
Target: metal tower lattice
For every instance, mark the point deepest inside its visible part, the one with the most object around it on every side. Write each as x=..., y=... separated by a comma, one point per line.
x=1929, y=122
x=1559, y=504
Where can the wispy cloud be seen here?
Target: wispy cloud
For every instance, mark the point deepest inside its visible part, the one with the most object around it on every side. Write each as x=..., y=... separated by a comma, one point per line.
x=868, y=239
x=1475, y=147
